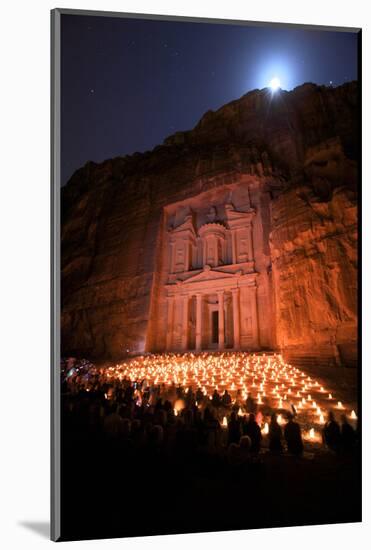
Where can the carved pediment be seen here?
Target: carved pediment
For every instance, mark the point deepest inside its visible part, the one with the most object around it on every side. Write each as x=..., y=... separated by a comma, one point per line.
x=185, y=227
x=235, y=218
x=209, y=274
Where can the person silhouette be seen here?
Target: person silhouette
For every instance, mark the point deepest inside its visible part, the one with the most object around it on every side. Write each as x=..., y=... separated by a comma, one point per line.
x=216, y=401
x=275, y=435
x=234, y=429
x=252, y=429
x=226, y=399
x=331, y=433
x=250, y=404
x=292, y=433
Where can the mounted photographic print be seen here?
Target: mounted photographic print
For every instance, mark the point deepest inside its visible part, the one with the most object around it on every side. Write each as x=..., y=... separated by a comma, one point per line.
x=206, y=359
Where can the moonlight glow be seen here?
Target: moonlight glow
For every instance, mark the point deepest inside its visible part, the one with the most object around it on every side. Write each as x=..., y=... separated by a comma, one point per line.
x=275, y=84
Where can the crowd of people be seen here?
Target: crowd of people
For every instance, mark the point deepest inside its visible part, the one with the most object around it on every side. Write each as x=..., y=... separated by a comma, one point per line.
x=169, y=419
x=174, y=458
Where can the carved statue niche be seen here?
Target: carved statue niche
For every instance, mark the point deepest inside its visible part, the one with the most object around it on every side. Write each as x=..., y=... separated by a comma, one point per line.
x=211, y=215
x=240, y=226
x=213, y=237
x=182, y=242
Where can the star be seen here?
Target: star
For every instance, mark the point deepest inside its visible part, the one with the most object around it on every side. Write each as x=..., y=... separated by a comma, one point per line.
x=92, y=91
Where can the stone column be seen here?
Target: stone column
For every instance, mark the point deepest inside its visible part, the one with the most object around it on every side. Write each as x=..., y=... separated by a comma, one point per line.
x=204, y=252
x=185, y=322
x=186, y=256
x=234, y=252
x=198, y=321
x=221, y=318
x=250, y=245
x=170, y=322
x=236, y=317
x=254, y=316
x=172, y=257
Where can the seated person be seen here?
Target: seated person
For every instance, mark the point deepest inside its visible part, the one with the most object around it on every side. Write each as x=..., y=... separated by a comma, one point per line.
x=226, y=399
x=293, y=438
x=251, y=428
x=250, y=404
x=215, y=400
x=331, y=433
x=275, y=435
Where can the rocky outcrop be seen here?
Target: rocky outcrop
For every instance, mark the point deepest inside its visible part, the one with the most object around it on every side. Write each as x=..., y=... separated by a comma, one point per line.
x=296, y=152
x=314, y=265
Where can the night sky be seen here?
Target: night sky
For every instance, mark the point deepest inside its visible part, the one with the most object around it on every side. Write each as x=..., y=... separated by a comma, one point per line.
x=127, y=84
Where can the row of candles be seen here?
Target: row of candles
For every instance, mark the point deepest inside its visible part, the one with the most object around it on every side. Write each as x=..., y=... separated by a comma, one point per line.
x=265, y=377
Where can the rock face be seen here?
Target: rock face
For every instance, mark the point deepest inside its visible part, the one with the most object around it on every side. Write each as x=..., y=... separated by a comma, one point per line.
x=294, y=156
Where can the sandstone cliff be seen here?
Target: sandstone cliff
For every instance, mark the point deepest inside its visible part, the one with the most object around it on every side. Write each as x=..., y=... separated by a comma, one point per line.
x=299, y=149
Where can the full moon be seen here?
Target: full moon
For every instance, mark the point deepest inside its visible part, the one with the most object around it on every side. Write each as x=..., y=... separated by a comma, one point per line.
x=274, y=84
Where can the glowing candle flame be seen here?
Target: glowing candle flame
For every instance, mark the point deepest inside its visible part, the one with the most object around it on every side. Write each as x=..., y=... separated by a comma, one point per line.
x=353, y=415
x=266, y=428
x=225, y=422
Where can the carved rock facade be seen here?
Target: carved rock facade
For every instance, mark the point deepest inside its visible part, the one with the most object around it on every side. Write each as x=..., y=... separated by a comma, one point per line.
x=239, y=234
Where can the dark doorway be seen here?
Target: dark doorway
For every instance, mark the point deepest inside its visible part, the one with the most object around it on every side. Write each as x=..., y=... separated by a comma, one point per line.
x=215, y=327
